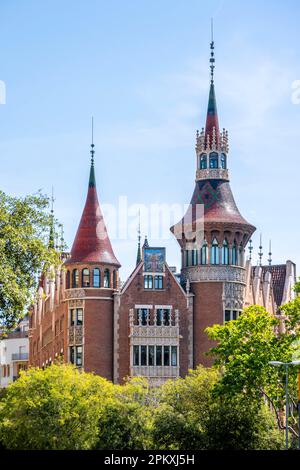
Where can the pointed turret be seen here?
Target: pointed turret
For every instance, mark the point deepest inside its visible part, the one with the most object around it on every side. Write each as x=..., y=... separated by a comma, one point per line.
x=212, y=131
x=213, y=234
x=92, y=243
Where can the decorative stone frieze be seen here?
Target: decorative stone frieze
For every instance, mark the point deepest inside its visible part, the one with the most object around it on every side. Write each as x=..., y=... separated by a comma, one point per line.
x=214, y=273
x=233, y=296
x=74, y=293
x=209, y=173
x=75, y=335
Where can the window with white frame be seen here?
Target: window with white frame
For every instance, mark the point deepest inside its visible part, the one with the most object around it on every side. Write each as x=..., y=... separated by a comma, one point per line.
x=231, y=315
x=76, y=355
x=142, y=316
x=76, y=317
x=163, y=317
x=155, y=355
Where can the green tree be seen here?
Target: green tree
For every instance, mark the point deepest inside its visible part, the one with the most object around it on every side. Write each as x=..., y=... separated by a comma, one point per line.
x=247, y=345
x=24, y=251
x=125, y=417
x=179, y=420
x=191, y=416
x=55, y=408
x=242, y=423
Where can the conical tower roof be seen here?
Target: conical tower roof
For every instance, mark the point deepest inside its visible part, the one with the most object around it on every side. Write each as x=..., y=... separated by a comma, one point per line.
x=92, y=243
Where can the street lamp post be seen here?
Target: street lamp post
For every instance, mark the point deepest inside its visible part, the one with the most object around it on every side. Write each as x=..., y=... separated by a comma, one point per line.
x=286, y=365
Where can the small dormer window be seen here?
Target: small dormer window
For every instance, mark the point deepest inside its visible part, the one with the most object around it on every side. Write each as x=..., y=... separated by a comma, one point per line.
x=75, y=278
x=234, y=254
x=204, y=253
x=85, y=277
x=223, y=161
x=214, y=256
x=225, y=252
x=106, y=280
x=96, y=277
x=213, y=160
x=203, y=161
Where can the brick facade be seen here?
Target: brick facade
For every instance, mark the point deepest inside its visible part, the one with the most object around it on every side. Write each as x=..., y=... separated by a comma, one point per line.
x=81, y=314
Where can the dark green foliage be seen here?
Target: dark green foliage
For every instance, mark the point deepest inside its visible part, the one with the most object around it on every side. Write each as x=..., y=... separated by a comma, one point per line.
x=24, y=251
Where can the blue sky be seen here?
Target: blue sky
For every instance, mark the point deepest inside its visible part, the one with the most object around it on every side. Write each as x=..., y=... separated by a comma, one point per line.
x=141, y=69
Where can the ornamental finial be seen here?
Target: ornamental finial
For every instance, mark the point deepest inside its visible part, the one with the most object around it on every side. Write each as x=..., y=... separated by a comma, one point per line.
x=250, y=249
x=92, y=144
x=260, y=253
x=270, y=253
x=212, y=53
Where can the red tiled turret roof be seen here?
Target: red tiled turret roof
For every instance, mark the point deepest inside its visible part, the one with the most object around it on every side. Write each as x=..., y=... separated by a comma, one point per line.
x=92, y=243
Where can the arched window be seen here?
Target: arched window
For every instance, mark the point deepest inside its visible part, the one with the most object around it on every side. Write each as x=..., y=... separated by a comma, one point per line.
x=106, y=280
x=223, y=161
x=194, y=257
x=213, y=160
x=234, y=254
x=214, y=255
x=203, y=161
x=204, y=253
x=68, y=280
x=85, y=277
x=96, y=277
x=75, y=278
x=115, y=279
x=187, y=258
x=225, y=253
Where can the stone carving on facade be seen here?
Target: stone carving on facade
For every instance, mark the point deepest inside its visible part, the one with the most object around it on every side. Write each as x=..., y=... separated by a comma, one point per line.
x=209, y=173
x=155, y=331
x=74, y=293
x=75, y=335
x=76, y=303
x=233, y=296
x=214, y=273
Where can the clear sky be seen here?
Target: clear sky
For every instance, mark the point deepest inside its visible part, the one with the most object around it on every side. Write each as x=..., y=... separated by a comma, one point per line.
x=140, y=67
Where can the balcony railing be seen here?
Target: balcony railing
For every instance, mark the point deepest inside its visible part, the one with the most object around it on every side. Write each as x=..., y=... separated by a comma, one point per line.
x=19, y=357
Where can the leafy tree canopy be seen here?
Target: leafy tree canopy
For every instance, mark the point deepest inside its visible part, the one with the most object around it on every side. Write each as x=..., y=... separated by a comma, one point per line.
x=53, y=409
x=247, y=345
x=24, y=251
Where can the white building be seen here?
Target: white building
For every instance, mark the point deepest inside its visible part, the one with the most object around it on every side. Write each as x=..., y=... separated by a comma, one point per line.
x=14, y=350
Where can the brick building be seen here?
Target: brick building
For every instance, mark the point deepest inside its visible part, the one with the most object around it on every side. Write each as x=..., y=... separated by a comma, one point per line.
x=154, y=324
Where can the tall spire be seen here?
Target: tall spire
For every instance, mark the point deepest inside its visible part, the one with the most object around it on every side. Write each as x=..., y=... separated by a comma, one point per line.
x=52, y=231
x=92, y=243
x=212, y=130
x=139, y=255
x=212, y=54
x=92, y=180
